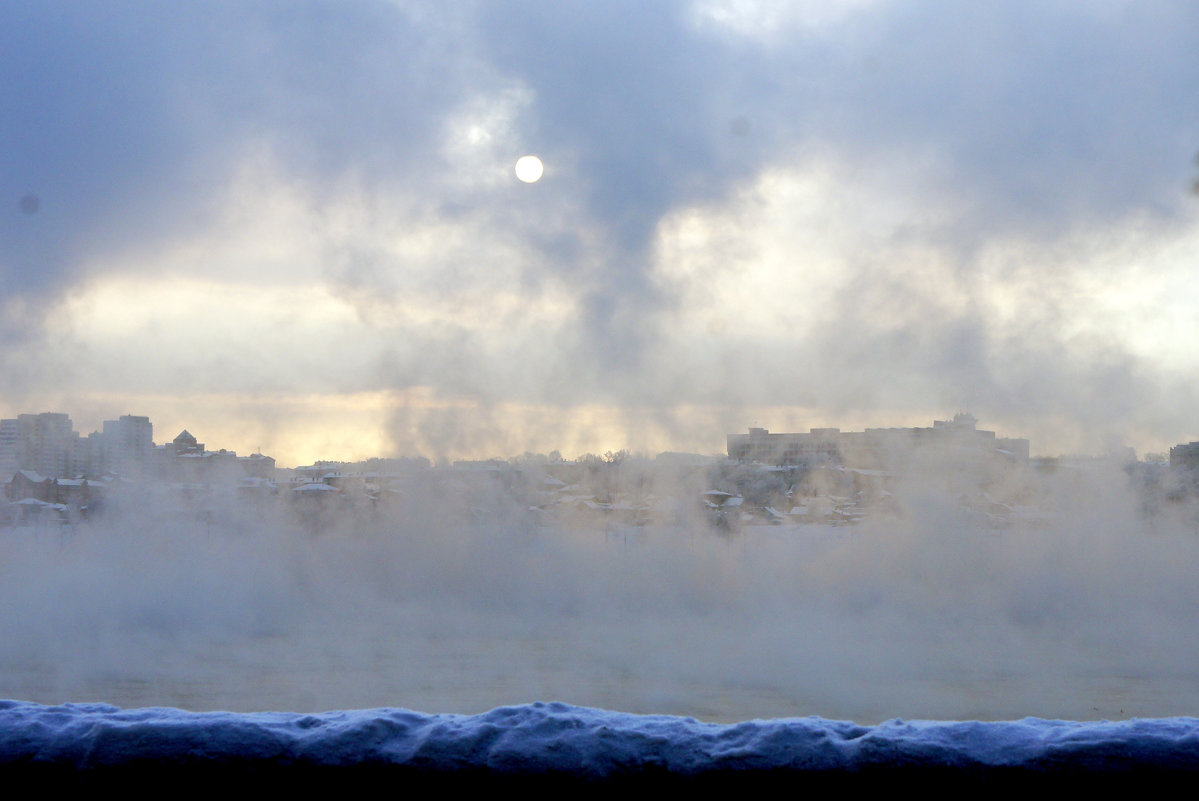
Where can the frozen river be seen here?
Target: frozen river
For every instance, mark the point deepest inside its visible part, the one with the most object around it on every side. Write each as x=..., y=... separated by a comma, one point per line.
x=847, y=623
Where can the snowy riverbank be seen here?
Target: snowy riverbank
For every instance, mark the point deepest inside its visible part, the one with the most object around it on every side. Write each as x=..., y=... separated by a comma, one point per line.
x=550, y=740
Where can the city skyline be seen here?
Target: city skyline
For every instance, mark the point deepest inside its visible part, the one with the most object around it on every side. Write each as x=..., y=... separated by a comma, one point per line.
x=329, y=443
x=767, y=445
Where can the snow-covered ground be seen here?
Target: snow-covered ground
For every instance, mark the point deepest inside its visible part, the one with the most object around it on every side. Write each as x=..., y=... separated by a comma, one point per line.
x=541, y=739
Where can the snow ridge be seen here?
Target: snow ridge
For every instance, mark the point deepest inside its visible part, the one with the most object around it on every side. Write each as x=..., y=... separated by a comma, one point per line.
x=556, y=738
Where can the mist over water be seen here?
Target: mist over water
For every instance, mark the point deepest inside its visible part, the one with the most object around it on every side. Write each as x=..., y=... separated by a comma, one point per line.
x=928, y=613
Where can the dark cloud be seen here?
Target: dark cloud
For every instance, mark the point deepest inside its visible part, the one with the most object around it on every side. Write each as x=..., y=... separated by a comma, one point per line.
x=1034, y=116
x=132, y=114
x=129, y=121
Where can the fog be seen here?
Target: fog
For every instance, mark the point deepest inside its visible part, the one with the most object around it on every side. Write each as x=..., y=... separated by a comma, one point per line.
x=926, y=612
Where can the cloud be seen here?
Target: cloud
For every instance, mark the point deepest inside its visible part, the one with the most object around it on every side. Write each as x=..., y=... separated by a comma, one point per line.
x=902, y=153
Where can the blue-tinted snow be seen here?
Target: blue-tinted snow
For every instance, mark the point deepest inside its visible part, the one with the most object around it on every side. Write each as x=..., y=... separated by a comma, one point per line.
x=557, y=738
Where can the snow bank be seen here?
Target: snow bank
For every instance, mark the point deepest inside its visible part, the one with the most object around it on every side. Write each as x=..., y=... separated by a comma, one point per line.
x=552, y=739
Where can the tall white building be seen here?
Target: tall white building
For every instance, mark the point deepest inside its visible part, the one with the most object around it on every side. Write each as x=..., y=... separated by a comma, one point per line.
x=128, y=443
x=46, y=443
x=8, y=448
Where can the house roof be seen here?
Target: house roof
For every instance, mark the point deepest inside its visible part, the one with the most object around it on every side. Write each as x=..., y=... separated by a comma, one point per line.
x=315, y=487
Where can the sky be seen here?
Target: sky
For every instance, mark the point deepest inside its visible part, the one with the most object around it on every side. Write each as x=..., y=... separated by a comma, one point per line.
x=295, y=227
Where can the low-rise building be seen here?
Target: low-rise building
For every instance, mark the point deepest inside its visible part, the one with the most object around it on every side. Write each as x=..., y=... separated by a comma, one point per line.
x=874, y=447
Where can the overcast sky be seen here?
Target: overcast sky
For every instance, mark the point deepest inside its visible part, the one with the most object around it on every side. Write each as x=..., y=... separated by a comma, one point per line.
x=296, y=227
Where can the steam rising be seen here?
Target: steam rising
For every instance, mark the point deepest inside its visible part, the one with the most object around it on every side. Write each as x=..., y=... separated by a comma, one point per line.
x=926, y=614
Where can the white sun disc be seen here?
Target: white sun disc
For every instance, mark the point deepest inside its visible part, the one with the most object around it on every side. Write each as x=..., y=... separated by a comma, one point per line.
x=529, y=169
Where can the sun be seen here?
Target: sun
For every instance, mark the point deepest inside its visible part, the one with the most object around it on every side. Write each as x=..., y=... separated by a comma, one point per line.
x=529, y=169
